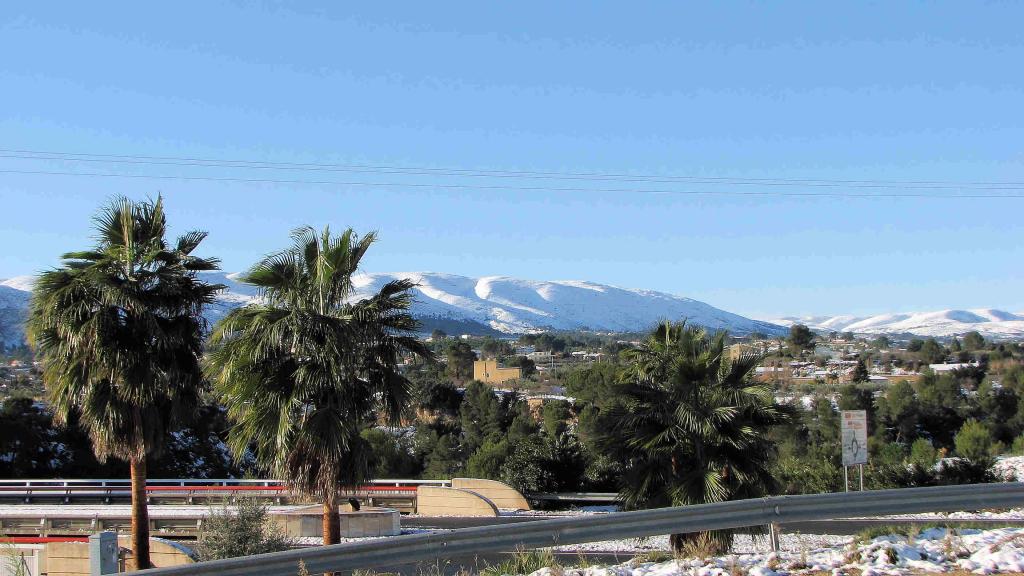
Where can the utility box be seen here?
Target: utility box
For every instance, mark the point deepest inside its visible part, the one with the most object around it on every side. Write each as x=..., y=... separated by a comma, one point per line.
x=103, y=551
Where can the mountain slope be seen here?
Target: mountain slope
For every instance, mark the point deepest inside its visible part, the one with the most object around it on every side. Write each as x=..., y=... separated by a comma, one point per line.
x=987, y=321
x=492, y=304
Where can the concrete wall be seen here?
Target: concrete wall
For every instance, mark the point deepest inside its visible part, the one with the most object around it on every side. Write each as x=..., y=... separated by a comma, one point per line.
x=366, y=522
x=487, y=371
x=72, y=558
x=443, y=501
x=502, y=495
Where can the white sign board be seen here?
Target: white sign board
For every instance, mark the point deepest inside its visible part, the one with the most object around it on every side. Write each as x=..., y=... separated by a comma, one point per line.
x=855, y=437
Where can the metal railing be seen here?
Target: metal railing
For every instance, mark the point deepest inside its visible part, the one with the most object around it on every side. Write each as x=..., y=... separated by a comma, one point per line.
x=123, y=482
x=416, y=548
x=108, y=489
x=600, y=497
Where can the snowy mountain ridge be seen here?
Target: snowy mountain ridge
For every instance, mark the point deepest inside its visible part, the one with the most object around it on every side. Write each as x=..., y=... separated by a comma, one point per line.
x=989, y=322
x=490, y=304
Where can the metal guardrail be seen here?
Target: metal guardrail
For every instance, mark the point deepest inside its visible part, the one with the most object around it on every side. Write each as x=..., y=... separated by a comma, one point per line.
x=109, y=489
x=403, y=550
x=122, y=482
x=604, y=497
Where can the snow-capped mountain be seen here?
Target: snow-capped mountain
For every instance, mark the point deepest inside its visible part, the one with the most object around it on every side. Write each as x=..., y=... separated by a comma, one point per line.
x=13, y=305
x=492, y=304
x=986, y=321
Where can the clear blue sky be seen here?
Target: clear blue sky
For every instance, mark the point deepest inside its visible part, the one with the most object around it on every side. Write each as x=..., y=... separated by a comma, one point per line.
x=881, y=91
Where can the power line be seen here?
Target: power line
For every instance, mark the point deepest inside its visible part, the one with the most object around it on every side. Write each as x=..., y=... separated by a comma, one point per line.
x=518, y=188
x=460, y=172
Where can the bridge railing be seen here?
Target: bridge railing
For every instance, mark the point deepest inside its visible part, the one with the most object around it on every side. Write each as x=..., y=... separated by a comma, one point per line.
x=26, y=490
x=118, y=482
x=416, y=548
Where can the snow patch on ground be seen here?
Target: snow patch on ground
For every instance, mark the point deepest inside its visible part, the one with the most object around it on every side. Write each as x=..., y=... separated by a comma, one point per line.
x=1010, y=468
x=933, y=550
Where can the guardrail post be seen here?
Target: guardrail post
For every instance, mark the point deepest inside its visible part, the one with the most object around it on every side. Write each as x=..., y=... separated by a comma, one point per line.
x=103, y=551
x=774, y=531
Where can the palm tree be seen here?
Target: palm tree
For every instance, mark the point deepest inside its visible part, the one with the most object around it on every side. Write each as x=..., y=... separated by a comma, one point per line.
x=302, y=371
x=119, y=330
x=690, y=425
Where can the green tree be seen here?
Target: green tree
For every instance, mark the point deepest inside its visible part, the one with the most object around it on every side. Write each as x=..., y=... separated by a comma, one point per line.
x=526, y=365
x=800, y=338
x=243, y=530
x=444, y=461
x=860, y=372
x=390, y=457
x=594, y=384
x=481, y=416
x=923, y=454
x=302, y=371
x=493, y=348
x=459, y=358
x=974, y=442
x=899, y=412
x=942, y=407
x=526, y=467
x=932, y=352
x=973, y=341
x=694, y=425
x=119, y=331
x=488, y=460
x=853, y=397
x=556, y=417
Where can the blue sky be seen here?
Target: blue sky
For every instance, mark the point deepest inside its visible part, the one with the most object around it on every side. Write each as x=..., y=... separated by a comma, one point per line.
x=858, y=91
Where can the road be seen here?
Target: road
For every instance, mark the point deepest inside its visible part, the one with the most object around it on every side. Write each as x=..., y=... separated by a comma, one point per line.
x=838, y=527
x=454, y=566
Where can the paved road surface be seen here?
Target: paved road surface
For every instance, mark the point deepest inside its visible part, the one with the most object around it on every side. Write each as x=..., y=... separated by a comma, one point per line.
x=841, y=527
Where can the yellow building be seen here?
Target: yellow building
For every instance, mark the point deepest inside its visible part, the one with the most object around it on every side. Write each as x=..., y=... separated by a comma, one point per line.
x=489, y=372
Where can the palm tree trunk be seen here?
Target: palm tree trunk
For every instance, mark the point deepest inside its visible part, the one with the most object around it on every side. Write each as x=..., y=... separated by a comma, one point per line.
x=331, y=521
x=140, y=515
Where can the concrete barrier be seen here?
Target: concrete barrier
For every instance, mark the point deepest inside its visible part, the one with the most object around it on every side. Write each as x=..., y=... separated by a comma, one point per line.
x=182, y=521
x=502, y=495
x=442, y=501
x=72, y=558
x=307, y=522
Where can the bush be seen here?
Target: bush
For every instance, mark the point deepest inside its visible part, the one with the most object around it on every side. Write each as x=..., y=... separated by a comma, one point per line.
x=923, y=454
x=488, y=460
x=973, y=442
x=522, y=562
x=244, y=530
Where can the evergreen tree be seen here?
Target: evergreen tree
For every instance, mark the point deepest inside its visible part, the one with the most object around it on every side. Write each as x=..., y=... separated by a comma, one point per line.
x=481, y=416
x=860, y=372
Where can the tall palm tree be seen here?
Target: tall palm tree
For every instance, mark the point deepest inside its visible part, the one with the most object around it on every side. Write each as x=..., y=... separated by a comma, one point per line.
x=690, y=425
x=302, y=371
x=119, y=330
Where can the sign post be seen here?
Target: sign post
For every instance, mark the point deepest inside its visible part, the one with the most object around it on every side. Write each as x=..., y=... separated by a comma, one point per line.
x=855, y=442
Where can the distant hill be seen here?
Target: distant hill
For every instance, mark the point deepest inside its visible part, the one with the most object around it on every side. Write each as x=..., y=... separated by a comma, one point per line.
x=489, y=305
x=988, y=322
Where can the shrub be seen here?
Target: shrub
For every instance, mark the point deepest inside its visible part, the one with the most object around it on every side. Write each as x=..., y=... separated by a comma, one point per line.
x=923, y=454
x=973, y=442
x=523, y=562
x=243, y=530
